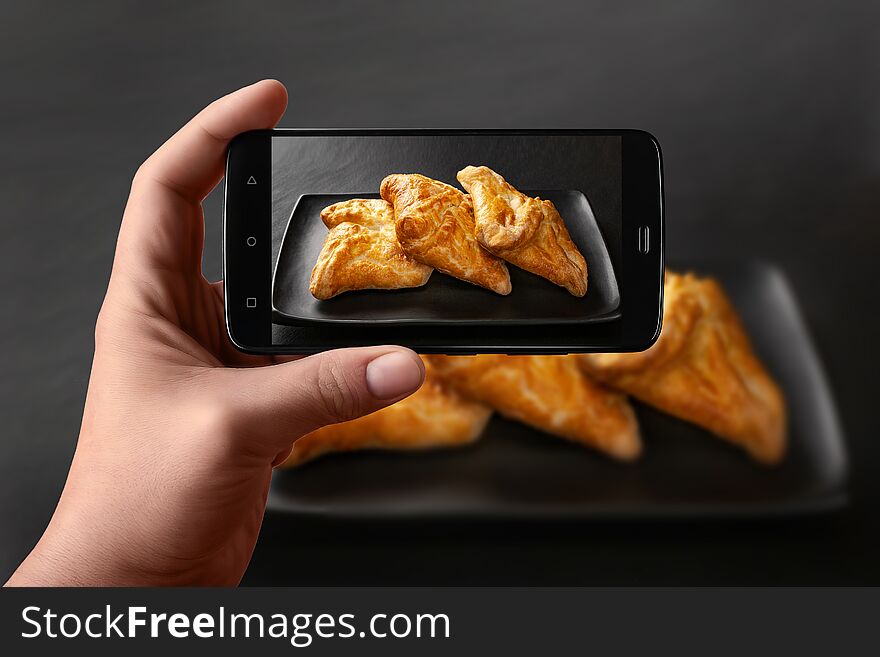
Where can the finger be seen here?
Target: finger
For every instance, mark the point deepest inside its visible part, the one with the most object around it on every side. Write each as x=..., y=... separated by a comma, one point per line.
x=291, y=399
x=163, y=218
x=191, y=163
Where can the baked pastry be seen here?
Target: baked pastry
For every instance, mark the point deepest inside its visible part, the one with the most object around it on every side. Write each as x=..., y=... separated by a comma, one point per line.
x=434, y=224
x=525, y=231
x=702, y=369
x=549, y=393
x=434, y=416
x=373, y=213
x=361, y=252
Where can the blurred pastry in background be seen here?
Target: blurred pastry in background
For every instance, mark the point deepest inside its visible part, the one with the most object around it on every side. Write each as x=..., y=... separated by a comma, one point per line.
x=435, y=416
x=549, y=393
x=434, y=224
x=525, y=231
x=702, y=369
x=361, y=251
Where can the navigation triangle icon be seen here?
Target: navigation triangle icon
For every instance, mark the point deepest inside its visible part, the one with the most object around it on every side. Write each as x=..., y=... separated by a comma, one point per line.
x=251, y=181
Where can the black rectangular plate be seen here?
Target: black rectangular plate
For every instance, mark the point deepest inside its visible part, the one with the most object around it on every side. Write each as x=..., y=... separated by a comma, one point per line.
x=444, y=299
x=517, y=472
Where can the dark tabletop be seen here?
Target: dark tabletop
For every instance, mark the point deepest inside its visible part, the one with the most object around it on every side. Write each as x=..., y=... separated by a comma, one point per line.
x=769, y=119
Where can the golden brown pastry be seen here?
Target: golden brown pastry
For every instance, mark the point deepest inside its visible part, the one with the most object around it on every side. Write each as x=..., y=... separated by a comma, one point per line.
x=435, y=416
x=549, y=393
x=434, y=224
x=361, y=252
x=702, y=369
x=525, y=231
x=373, y=213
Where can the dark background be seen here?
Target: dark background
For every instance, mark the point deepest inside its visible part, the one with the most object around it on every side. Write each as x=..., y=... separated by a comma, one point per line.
x=769, y=119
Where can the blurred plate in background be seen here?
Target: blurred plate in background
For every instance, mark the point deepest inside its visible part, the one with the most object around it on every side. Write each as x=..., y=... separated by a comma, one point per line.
x=514, y=471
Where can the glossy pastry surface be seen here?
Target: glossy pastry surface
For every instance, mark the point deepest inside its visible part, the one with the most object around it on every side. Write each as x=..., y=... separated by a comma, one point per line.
x=527, y=232
x=434, y=224
x=361, y=251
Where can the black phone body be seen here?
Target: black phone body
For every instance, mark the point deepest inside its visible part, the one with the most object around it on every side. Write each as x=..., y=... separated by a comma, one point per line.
x=606, y=184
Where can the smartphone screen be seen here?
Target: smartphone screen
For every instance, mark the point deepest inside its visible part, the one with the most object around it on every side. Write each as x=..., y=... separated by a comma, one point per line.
x=444, y=241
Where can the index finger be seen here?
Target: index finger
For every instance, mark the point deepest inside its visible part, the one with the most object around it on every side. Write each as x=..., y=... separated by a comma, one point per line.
x=163, y=224
x=190, y=163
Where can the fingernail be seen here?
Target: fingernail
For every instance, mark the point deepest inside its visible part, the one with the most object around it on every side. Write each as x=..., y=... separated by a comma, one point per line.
x=392, y=375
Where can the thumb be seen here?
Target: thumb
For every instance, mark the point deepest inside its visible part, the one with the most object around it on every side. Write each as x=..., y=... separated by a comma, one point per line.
x=289, y=400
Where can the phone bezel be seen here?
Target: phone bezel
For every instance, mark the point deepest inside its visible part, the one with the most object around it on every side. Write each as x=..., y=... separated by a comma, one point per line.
x=247, y=268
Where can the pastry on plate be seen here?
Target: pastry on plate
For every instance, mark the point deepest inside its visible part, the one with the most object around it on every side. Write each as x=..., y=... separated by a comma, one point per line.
x=549, y=393
x=434, y=416
x=525, y=231
x=434, y=224
x=361, y=252
x=373, y=213
x=702, y=369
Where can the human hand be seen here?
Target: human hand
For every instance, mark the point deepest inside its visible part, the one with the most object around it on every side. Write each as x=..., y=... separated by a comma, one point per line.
x=180, y=431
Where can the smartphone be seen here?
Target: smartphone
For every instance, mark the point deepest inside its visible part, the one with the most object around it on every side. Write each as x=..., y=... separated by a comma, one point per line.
x=497, y=269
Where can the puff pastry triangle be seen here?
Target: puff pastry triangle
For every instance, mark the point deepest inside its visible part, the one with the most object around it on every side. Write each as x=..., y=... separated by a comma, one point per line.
x=702, y=369
x=361, y=251
x=549, y=393
x=434, y=224
x=525, y=231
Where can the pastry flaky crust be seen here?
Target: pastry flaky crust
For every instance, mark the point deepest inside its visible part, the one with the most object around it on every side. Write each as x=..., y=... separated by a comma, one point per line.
x=434, y=224
x=435, y=416
x=549, y=393
x=525, y=231
x=361, y=251
x=702, y=369
x=373, y=213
